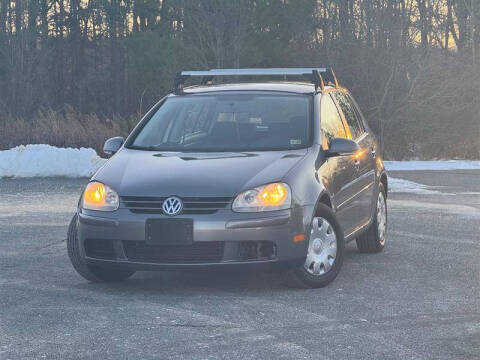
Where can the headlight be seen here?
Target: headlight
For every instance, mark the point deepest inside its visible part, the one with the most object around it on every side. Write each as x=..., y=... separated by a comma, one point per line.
x=98, y=196
x=276, y=196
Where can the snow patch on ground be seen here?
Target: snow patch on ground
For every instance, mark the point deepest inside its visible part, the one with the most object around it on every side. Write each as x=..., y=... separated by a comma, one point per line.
x=44, y=160
x=407, y=186
x=433, y=165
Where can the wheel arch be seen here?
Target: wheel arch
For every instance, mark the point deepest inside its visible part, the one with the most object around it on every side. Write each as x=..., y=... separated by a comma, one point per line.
x=325, y=199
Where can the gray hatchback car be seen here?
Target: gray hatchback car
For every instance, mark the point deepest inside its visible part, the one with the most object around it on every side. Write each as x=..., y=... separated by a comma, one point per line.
x=278, y=174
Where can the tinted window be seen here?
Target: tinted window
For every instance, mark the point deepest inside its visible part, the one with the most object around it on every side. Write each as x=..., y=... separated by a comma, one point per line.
x=359, y=114
x=228, y=122
x=331, y=123
x=348, y=109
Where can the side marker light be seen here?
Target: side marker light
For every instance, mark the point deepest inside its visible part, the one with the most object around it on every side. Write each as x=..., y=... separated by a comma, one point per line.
x=298, y=238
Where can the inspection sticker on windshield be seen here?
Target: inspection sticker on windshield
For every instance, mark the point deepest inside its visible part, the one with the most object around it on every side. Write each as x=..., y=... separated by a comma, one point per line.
x=295, y=142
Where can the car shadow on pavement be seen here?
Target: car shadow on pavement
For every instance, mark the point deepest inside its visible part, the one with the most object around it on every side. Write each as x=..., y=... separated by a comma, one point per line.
x=179, y=282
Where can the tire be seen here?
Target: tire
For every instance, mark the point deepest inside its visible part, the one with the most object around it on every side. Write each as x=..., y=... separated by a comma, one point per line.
x=300, y=276
x=373, y=240
x=89, y=272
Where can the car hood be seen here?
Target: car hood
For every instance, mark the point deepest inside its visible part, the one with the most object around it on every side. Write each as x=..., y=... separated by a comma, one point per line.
x=149, y=173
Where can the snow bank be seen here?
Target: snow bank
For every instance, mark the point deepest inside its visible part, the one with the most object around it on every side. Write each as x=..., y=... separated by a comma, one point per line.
x=433, y=165
x=407, y=186
x=45, y=160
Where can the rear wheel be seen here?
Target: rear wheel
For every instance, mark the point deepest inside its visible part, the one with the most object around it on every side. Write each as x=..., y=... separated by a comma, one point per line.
x=373, y=240
x=89, y=272
x=324, y=256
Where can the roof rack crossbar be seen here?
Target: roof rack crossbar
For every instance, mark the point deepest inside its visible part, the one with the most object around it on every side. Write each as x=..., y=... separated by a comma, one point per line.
x=313, y=74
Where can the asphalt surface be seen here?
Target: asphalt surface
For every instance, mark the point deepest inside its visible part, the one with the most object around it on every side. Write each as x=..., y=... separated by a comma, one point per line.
x=419, y=299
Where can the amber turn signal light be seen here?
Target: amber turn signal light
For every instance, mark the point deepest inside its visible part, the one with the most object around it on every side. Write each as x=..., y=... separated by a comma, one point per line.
x=98, y=196
x=273, y=194
x=298, y=238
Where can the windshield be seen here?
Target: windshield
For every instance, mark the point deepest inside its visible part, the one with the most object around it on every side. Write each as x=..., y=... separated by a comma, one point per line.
x=228, y=122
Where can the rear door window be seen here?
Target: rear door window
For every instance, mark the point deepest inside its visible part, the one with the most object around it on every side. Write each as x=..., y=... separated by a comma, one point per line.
x=348, y=109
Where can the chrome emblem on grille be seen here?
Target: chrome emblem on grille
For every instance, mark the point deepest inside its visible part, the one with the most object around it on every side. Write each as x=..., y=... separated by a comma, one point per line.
x=172, y=206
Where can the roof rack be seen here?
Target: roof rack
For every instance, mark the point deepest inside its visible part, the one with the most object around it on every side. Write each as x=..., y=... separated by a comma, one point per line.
x=312, y=74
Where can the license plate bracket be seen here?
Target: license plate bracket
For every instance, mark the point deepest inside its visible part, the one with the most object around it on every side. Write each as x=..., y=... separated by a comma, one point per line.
x=169, y=232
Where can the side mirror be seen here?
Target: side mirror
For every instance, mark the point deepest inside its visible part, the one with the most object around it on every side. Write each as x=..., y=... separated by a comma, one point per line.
x=112, y=145
x=339, y=146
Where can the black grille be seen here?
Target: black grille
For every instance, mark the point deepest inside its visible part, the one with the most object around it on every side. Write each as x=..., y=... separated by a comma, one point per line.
x=198, y=252
x=191, y=205
x=99, y=248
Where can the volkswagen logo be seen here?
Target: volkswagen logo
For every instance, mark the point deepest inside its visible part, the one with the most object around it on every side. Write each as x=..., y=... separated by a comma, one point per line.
x=172, y=206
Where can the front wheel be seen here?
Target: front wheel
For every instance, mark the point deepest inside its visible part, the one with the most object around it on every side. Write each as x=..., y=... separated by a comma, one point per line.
x=324, y=256
x=89, y=272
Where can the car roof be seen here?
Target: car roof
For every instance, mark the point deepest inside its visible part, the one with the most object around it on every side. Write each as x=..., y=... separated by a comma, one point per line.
x=291, y=87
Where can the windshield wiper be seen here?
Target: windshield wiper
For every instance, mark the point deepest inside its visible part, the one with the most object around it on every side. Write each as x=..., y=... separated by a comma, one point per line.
x=145, y=148
x=166, y=146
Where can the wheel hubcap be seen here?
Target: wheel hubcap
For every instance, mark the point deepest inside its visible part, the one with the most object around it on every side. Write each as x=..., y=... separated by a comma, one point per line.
x=381, y=218
x=322, y=247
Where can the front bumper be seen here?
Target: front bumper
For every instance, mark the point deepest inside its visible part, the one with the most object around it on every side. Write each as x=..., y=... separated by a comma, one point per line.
x=224, y=238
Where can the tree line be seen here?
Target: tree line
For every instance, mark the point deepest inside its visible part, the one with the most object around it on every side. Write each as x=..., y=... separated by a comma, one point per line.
x=411, y=64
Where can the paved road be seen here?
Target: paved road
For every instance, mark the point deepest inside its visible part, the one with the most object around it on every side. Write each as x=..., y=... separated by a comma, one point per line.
x=419, y=299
